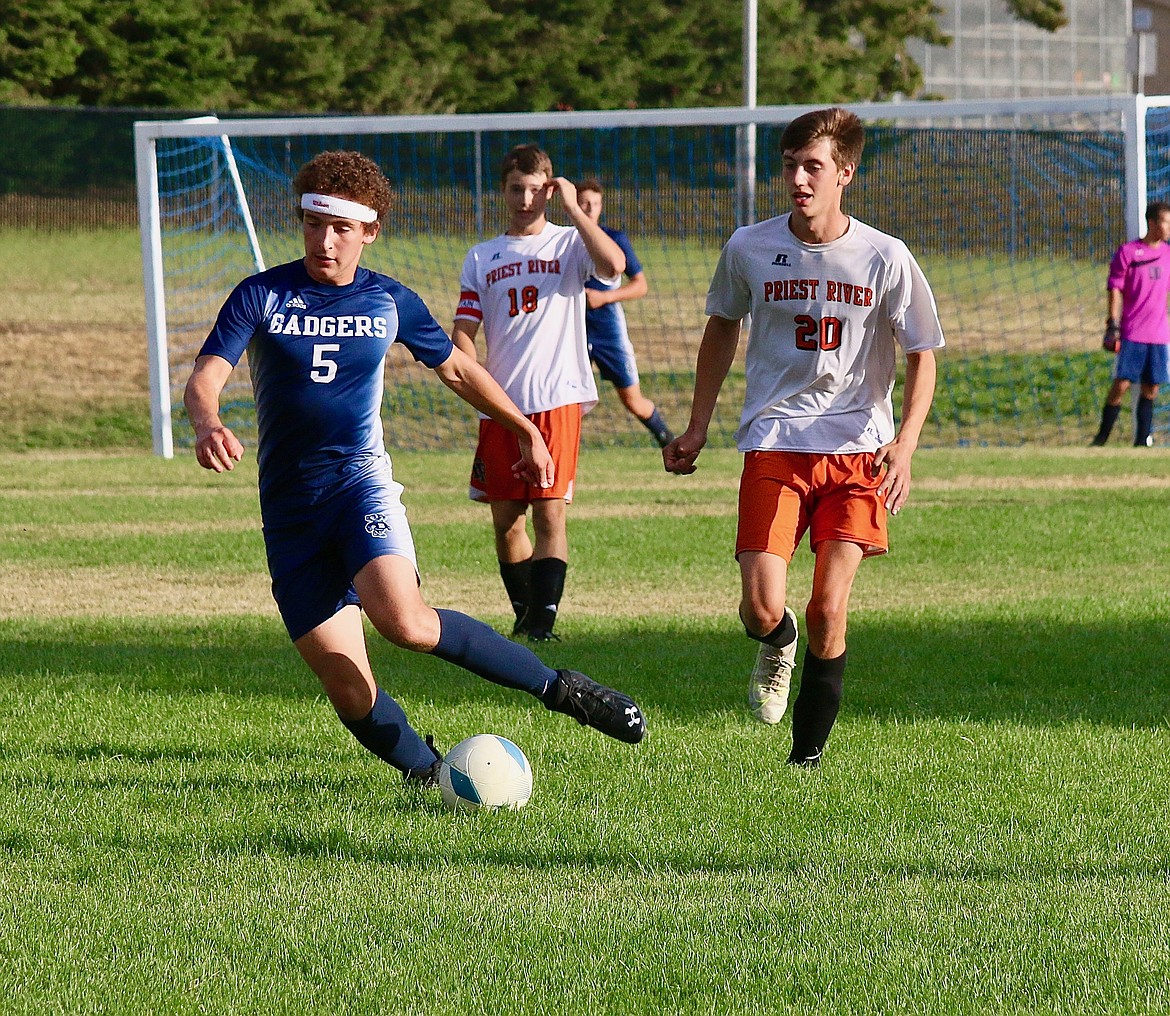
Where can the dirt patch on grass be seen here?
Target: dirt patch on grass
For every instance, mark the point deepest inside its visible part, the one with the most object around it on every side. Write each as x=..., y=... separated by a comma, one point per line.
x=1145, y=481
x=53, y=370
x=44, y=593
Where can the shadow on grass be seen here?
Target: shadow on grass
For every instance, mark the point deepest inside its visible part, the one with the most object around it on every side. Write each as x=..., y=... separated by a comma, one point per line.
x=985, y=669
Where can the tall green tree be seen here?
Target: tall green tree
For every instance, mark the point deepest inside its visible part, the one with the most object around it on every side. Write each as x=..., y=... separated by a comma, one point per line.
x=414, y=56
x=40, y=44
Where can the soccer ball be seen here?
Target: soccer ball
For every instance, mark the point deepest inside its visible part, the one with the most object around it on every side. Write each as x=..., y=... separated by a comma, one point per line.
x=485, y=771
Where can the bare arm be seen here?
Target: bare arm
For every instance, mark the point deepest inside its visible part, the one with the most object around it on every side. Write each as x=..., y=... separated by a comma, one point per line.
x=635, y=289
x=716, y=353
x=474, y=385
x=216, y=447
x=917, y=395
x=608, y=257
x=463, y=334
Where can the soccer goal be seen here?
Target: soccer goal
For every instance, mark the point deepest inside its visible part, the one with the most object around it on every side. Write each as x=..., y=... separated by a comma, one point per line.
x=1013, y=208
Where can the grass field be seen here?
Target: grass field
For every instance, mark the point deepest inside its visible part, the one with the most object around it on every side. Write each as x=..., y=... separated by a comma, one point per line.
x=185, y=827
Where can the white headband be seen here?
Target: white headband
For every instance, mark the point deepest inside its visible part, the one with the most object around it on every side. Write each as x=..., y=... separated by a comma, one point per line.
x=330, y=205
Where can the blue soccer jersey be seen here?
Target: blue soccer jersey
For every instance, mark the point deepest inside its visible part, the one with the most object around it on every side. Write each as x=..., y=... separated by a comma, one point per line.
x=609, y=322
x=316, y=354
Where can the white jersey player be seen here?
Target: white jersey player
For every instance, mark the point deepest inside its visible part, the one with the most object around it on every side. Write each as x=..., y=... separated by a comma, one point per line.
x=825, y=317
x=529, y=294
x=527, y=289
x=830, y=301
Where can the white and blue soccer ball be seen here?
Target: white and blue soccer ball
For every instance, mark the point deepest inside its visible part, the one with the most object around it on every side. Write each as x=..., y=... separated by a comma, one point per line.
x=485, y=771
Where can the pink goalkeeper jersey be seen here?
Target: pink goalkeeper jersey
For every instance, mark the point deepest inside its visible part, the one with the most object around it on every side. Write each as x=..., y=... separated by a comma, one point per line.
x=529, y=293
x=1142, y=274
x=825, y=323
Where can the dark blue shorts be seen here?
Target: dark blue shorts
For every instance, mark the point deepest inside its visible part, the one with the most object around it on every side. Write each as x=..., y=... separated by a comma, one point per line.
x=313, y=562
x=1142, y=363
x=611, y=350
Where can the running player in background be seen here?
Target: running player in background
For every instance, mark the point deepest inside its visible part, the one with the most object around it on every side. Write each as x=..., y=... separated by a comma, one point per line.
x=1137, y=328
x=830, y=300
x=527, y=288
x=317, y=331
x=605, y=323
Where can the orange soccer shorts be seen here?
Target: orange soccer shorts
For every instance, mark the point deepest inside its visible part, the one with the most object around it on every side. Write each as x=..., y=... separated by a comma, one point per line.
x=833, y=497
x=498, y=451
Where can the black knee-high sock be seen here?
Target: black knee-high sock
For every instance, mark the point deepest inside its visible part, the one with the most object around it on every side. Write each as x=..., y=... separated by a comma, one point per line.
x=516, y=578
x=386, y=732
x=1145, y=421
x=1109, y=415
x=780, y=636
x=657, y=426
x=816, y=706
x=547, y=585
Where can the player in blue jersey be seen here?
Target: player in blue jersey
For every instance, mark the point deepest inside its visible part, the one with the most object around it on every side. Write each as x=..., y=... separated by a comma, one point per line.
x=605, y=323
x=317, y=332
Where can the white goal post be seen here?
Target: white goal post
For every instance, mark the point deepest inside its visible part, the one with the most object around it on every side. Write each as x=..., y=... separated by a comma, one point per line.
x=1001, y=190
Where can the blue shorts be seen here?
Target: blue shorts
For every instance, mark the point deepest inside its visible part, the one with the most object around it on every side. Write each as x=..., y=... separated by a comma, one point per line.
x=611, y=350
x=1142, y=363
x=313, y=562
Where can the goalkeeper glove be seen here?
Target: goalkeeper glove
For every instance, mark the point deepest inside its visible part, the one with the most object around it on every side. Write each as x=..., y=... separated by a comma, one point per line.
x=1111, y=340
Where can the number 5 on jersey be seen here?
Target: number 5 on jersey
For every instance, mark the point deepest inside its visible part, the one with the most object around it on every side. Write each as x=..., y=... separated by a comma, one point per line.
x=324, y=369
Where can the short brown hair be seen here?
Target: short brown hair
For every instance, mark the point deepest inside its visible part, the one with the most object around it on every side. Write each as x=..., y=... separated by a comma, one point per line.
x=529, y=159
x=844, y=130
x=590, y=183
x=346, y=175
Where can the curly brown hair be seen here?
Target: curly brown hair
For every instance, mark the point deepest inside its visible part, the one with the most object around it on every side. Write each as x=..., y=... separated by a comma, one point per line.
x=346, y=175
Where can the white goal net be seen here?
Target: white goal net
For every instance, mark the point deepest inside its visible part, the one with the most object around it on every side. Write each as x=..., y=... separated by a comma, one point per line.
x=1013, y=208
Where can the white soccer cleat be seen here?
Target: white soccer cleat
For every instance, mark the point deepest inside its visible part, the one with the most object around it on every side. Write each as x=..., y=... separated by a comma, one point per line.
x=771, y=678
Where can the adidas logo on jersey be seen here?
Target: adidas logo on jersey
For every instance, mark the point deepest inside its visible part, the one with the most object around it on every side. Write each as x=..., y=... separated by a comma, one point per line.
x=781, y=259
x=297, y=303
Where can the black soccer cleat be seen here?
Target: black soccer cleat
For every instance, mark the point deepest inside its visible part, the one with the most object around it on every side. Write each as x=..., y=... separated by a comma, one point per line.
x=428, y=777
x=594, y=705
x=806, y=761
x=542, y=635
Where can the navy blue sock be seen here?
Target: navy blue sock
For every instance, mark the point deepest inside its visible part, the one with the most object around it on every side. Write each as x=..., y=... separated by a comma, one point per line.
x=386, y=732
x=474, y=646
x=1109, y=415
x=1145, y=420
x=657, y=426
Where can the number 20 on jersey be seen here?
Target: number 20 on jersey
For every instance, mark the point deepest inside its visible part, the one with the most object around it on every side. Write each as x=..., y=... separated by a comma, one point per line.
x=817, y=334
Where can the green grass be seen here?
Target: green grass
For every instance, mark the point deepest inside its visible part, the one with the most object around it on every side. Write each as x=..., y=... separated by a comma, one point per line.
x=185, y=827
